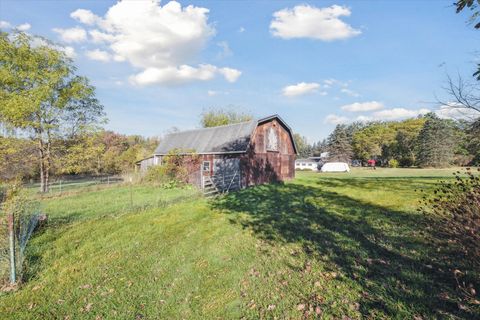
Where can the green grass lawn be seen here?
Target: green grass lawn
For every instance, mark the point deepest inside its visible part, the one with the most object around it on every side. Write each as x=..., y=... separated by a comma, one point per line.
x=322, y=246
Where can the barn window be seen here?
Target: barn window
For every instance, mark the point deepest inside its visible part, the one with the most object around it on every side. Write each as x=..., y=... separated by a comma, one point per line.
x=272, y=140
x=206, y=166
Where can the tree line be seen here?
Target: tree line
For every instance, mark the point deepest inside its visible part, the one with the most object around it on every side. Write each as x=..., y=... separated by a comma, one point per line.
x=426, y=141
x=50, y=120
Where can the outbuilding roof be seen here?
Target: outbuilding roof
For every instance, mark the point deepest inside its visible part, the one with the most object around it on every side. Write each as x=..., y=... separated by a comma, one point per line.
x=232, y=138
x=305, y=160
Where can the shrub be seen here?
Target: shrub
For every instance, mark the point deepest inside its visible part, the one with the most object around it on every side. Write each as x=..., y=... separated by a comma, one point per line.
x=175, y=170
x=453, y=212
x=155, y=174
x=457, y=206
x=393, y=163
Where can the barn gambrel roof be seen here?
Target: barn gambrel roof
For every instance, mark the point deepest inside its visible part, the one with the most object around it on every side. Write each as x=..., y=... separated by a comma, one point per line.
x=232, y=138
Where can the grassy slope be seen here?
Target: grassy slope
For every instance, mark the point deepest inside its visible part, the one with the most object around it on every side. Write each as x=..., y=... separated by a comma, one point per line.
x=337, y=244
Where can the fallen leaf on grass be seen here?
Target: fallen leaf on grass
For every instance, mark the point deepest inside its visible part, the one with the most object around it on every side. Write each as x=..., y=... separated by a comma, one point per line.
x=86, y=286
x=254, y=272
x=271, y=307
x=88, y=307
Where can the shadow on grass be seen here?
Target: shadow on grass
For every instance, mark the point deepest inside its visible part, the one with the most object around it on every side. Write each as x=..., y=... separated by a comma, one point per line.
x=385, y=183
x=385, y=251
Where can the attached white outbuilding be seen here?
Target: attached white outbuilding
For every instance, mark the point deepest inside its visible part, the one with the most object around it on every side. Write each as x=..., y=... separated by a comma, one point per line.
x=306, y=164
x=335, y=167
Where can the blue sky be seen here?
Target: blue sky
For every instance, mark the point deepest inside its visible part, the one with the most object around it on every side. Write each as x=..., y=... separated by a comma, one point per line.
x=316, y=63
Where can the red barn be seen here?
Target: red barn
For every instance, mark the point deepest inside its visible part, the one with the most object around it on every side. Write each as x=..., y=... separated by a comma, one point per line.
x=234, y=156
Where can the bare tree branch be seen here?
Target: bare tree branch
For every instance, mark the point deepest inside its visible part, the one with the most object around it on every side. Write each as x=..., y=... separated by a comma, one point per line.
x=465, y=97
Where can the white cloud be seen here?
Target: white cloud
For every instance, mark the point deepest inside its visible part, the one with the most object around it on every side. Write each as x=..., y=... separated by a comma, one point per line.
x=349, y=92
x=118, y=58
x=241, y=29
x=98, y=55
x=85, y=16
x=398, y=114
x=76, y=34
x=226, y=51
x=69, y=51
x=300, y=89
x=5, y=24
x=182, y=74
x=304, y=21
x=161, y=40
x=393, y=114
x=363, y=118
x=231, y=75
x=329, y=82
x=455, y=111
x=212, y=93
x=363, y=106
x=99, y=37
x=23, y=27
x=335, y=119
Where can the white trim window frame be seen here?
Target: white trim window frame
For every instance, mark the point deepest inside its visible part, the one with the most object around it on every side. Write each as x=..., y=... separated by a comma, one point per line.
x=206, y=166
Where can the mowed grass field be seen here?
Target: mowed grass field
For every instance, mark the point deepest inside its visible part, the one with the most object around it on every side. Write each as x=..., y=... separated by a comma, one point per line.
x=332, y=246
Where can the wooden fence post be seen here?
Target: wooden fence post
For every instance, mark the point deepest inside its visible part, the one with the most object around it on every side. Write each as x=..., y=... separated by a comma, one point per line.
x=131, y=193
x=11, y=238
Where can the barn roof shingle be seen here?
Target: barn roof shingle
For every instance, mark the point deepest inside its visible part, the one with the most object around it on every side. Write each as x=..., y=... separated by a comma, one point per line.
x=223, y=139
x=232, y=138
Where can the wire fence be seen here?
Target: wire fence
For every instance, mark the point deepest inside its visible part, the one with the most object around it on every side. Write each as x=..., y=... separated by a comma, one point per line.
x=24, y=215
x=123, y=199
x=66, y=184
x=16, y=228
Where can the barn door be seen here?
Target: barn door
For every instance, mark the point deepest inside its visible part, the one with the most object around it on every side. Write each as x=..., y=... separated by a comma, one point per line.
x=226, y=172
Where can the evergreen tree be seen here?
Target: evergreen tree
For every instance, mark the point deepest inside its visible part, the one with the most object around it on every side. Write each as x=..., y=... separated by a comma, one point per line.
x=319, y=147
x=339, y=146
x=436, y=142
x=304, y=149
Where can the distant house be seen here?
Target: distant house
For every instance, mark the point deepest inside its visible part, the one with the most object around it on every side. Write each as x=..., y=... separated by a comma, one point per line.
x=306, y=164
x=233, y=156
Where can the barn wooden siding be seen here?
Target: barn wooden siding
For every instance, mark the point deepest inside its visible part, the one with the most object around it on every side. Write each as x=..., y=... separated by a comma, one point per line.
x=244, y=152
x=262, y=166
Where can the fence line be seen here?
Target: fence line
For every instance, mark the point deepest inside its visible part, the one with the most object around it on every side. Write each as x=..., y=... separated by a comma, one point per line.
x=60, y=185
